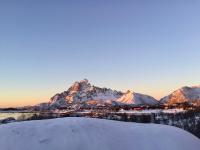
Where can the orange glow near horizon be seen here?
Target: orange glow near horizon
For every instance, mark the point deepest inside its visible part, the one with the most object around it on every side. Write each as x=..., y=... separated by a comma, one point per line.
x=25, y=101
x=22, y=97
x=18, y=99
x=18, y=102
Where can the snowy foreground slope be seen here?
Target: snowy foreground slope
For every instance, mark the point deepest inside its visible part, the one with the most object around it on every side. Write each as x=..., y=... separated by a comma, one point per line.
x=93, y=134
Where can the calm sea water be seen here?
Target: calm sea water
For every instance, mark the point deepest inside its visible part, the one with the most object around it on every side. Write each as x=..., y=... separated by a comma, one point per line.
x=15, y=115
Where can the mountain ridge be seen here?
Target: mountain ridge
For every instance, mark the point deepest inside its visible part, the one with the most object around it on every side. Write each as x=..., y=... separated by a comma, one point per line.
x=83, y=92
x=185, y=94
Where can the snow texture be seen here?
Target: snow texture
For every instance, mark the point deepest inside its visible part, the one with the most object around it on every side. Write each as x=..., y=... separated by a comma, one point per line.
x=93, y=134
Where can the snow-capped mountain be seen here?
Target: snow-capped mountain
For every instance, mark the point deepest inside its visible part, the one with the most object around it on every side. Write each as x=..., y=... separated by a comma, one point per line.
x=185, y=94
x=137, y=98
x=83, y=91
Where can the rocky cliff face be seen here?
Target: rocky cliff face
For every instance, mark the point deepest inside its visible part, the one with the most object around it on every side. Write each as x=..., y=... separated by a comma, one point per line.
x=83, y=91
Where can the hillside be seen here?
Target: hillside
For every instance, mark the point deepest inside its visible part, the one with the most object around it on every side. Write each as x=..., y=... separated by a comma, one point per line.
x=184, y=94
x=93, y=134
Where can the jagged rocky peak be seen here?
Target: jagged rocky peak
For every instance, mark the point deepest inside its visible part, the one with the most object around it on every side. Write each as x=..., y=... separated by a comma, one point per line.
x=83, y=91
x=83, y=85
x=80, y=86
x=128, y=92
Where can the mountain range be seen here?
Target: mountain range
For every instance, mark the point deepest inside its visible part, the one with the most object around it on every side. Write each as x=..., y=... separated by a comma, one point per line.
x=83, y=92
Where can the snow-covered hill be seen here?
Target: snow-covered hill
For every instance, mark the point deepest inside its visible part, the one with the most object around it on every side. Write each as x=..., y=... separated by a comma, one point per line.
x=93, y=134
x=83, y=91
x=185, y=94
x=137, y=98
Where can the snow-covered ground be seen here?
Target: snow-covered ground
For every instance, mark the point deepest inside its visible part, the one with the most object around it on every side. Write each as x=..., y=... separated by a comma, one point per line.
x=148, y=111
x=93, y=134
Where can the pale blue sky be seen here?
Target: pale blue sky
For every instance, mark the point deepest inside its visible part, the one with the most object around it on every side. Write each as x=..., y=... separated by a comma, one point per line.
x=151, y=47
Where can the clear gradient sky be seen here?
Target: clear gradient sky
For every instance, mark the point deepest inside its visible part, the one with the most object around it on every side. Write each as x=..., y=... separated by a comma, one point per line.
x=151, y=47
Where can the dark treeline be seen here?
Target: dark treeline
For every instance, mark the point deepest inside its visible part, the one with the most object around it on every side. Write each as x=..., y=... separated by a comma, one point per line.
x=188, y=120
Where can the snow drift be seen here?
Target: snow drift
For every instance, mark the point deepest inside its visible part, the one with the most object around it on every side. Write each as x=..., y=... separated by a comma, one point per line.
x=93, y=134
